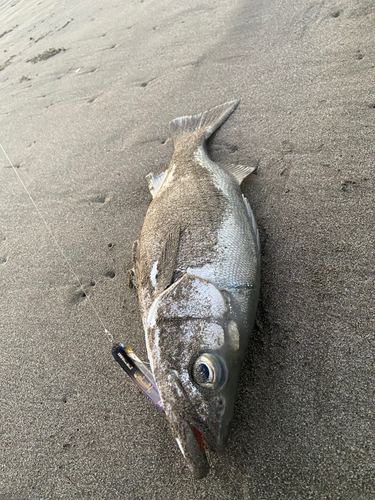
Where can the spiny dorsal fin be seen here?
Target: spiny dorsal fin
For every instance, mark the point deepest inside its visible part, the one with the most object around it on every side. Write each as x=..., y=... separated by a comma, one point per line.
x=136, y=260
x=206, y=122
x=167, y=261
x=154, y=182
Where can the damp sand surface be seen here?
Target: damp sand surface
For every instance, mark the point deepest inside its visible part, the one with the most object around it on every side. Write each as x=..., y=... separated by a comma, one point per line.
x=83, y=127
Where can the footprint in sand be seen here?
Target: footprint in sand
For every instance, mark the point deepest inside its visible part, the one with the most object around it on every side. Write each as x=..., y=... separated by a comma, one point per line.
x=45, y=55
x=85, y=71
x=80, y=293
x=93, y=99
x=99, y=198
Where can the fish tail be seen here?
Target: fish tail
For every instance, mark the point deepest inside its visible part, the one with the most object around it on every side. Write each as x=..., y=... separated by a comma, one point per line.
x=206, y=123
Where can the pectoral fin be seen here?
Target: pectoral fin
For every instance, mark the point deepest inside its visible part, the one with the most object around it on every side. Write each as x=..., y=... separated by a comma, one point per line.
x=167, y=261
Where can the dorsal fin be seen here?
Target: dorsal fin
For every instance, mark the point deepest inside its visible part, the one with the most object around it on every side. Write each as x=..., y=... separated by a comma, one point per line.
x=154, y=182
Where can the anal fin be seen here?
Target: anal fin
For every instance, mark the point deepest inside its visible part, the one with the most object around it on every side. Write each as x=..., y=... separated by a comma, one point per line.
x=240, y=172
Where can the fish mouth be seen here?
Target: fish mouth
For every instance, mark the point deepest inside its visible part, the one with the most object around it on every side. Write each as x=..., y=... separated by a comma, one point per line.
x=205, y=436
x=191, y=438
x=190, y=442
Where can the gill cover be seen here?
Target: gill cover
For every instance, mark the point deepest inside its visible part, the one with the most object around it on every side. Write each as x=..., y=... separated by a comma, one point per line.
x=191, y=297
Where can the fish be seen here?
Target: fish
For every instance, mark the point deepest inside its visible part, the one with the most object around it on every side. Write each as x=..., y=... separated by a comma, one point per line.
x=196, y=270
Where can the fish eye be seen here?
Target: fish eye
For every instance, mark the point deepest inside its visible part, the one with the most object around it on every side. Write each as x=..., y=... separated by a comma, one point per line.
x=208, y=371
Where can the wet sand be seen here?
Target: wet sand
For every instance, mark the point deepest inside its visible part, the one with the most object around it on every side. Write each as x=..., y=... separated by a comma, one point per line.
x=87, y=92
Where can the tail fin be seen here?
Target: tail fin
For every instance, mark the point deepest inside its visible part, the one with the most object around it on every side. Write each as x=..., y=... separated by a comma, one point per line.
x=206, y=122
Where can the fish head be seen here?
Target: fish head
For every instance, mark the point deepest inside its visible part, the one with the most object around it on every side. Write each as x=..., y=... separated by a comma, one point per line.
x=195, y=350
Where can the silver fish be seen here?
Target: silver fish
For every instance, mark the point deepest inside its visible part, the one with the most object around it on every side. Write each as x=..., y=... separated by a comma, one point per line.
x=197, y=275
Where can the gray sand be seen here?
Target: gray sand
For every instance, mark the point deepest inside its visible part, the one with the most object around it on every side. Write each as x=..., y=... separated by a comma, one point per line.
x=84, y=125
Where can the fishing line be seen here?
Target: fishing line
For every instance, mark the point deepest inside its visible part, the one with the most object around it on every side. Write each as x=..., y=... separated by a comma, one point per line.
x=106, y=331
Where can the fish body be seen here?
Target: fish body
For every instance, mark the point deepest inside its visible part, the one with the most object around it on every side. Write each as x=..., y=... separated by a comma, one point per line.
x=197, y=275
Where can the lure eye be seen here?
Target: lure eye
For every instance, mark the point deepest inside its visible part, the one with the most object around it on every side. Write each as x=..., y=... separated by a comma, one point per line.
x=208, y=371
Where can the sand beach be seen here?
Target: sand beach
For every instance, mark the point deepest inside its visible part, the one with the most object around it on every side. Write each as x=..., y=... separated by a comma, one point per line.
x=87, y=90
